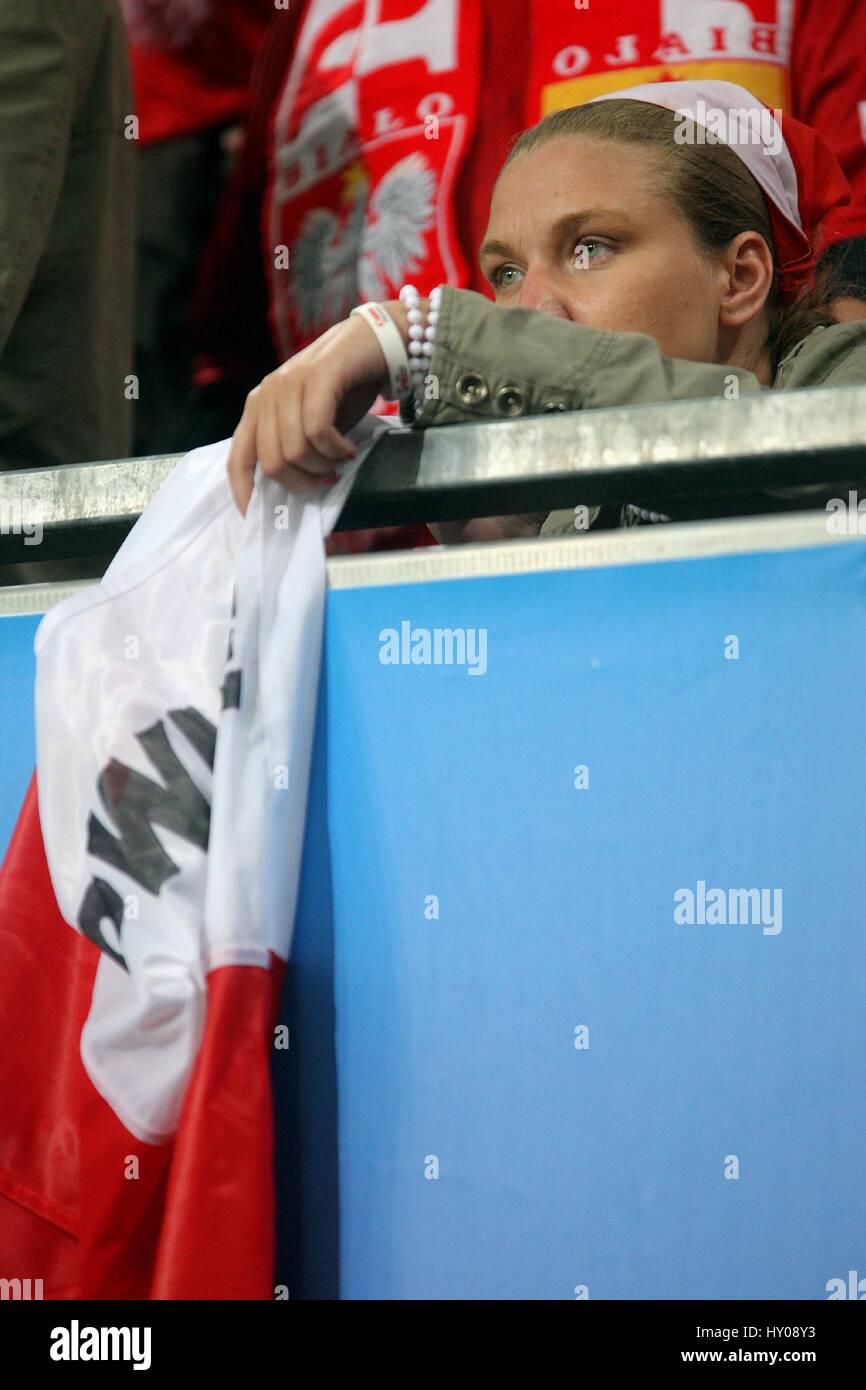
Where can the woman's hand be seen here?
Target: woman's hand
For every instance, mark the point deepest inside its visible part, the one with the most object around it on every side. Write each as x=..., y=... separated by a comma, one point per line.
x=293, y=422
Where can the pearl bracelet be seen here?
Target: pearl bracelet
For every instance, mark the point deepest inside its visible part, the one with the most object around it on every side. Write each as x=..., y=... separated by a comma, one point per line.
x=422, y=336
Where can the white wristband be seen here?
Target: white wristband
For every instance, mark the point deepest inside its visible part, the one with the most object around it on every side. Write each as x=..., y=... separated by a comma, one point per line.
x=393, y=349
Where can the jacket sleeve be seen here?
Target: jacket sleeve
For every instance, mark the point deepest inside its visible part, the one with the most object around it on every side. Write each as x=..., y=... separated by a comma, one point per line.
x=492, y=363
x=832, y=356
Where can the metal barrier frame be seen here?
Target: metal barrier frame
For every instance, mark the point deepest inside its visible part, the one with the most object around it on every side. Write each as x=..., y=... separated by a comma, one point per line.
x=715, y=450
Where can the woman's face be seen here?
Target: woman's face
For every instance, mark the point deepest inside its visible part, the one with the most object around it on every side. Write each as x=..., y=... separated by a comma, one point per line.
x=576, y=230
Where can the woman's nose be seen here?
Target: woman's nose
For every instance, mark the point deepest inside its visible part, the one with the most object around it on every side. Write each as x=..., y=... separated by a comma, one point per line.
x=538, y=292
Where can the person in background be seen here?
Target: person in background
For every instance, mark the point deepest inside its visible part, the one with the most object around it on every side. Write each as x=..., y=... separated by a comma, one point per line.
x=376, y=134
x=66, y=234
x=191, y=65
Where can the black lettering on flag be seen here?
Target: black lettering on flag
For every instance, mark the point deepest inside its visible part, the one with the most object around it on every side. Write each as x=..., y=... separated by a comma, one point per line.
x=101, y=900
x=136, y=803
x=197, y=730
x=231, y=690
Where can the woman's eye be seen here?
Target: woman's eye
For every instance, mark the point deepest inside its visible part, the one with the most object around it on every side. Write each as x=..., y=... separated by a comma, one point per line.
x=584, y=251
x=498, y=276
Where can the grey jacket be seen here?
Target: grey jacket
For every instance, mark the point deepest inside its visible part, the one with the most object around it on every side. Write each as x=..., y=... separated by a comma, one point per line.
x=491, y=363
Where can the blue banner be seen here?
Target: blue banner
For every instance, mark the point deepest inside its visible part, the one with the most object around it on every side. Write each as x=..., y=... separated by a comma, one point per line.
x=18, y=740
x=589, y=929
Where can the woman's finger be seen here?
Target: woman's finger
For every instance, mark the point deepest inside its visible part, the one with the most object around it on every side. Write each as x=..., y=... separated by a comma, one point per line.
x=318, y=409
x=241, y=462
x=298, y=449
x=301, y=461
x=281, y=447
x=269, y=448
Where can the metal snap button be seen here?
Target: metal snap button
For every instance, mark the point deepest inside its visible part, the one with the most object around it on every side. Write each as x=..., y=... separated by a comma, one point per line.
x=471, y=389
x=555, y=405
x=510, y=401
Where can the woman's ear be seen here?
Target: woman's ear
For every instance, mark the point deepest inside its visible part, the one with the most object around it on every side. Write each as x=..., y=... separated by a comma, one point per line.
x=748, y=268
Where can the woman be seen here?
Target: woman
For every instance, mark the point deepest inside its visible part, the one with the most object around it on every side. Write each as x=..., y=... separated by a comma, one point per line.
x=655, y=245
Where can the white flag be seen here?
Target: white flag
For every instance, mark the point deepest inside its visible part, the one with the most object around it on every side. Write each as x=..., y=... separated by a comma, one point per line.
x=172, y=780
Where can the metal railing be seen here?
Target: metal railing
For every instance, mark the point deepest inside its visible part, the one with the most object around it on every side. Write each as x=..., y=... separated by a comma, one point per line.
x=707, y=450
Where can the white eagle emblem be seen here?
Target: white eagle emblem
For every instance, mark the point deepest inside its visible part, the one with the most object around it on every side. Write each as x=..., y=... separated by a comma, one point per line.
x=381, y=242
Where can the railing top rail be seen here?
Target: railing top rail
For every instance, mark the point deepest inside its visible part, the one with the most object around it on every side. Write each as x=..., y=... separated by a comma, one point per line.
x=705, y=448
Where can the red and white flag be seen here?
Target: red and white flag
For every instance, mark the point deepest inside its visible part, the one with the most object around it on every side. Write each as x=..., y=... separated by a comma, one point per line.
x=135, y=1103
